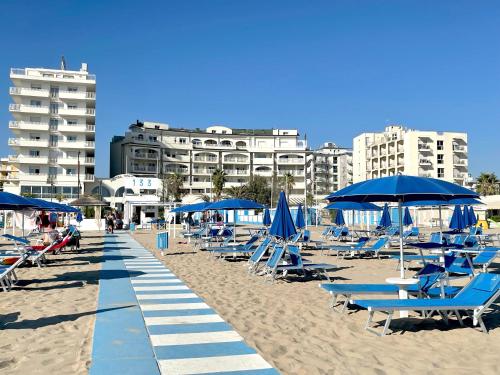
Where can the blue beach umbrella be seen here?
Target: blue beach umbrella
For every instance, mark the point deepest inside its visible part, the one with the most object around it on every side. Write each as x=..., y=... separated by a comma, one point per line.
x=457, y=219
x=299, y=218
x=385, y=220
x=9, y=201
x=407, y=220
x=472, y=216
x=355, y=206
x=195, y=207
x=266, y=220
x=282, y=226
x=339, y=218
x=466, y=217
x=234, y=204
x=401, y=188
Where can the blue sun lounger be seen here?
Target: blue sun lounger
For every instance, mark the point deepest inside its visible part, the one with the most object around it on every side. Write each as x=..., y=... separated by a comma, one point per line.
x=429, y=285
x=344, y=249
x=475, y=297
x=245, y=248
x=258, y=254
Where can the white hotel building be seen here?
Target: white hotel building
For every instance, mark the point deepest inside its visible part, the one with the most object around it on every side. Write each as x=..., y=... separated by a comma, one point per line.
x=53, y=130
x=155, y=149
x=442, y=155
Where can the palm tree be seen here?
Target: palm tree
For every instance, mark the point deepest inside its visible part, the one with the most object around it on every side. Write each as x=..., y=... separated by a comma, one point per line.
x=239, y=192
x=175, y=183
x=287, y=182
x=488, y=184
x=218, y=182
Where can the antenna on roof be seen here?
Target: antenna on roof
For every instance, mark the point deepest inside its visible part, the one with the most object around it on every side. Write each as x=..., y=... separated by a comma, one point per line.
x=63, y=63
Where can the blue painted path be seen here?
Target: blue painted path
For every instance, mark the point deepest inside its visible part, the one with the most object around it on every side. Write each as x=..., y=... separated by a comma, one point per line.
x=156, y=324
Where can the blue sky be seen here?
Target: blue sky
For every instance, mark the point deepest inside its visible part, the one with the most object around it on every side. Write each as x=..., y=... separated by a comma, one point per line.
x=332, y=69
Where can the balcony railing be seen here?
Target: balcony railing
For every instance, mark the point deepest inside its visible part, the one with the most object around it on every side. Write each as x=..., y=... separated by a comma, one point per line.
x=89, y=177
x=34, y=74
x=90, y=128
x=28, y=91
x=89, y=160
x=89, y=143
x=28, y=108
x=459, y=148
x=425, y=162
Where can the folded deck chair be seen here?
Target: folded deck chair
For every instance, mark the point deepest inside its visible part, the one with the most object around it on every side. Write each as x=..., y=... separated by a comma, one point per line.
x=326, y=232
x=258, y=254
x=8, y=277
x=430, y=285
x=374, y=250
x=475, y=298
x=246, y=248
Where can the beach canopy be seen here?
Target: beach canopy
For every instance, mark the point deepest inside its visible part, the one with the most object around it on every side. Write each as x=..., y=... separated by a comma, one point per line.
x=385, y=220
x=339, y=218
x=451, y=202
x=9, y=201
x=195, y=207
x=457, y=219
x=88, y=201
x=401, y=188
x=41, y=204
x=282, y=226
x=266, y=219
x=234, y=204
x=299, y=218
x=466, y=217
x=407, y=220
x=357, y=206
x=472, y=216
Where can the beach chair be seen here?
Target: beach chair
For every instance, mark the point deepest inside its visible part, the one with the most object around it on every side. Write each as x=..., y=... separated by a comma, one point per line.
x=8, y=266
x=342, y=250
x=430, y=284
x=326, y=232
x=456, y=265
x=475, y=298
x=338, y=233
x=258, y=254
x=241, y=249
x=374, y=250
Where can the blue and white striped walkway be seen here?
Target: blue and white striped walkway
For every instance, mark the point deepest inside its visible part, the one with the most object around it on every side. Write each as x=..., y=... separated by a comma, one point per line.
x=187, y=336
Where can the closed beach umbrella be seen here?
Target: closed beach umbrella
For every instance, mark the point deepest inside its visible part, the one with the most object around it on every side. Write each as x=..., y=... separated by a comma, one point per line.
x=385, y=220
x=282, y=226
x=339, y=218
x=299, y=219
x=407, y=220
x=401, y=189
x=472, y=216
x=457, y=219
x=266, y=220
x=466, y=217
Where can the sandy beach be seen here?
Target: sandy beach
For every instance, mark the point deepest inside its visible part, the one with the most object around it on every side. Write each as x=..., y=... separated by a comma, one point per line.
x=47, y=321
x=292, y=327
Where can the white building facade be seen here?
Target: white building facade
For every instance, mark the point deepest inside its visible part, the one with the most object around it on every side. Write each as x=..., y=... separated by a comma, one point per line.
x=53, y=130
x=155, y=149
x=442, y=155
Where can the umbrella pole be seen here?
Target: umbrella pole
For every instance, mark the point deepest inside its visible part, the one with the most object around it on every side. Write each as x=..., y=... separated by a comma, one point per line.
x=400, y=214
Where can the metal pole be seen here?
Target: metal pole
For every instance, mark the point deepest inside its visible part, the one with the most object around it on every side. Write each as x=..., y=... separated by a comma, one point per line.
x=401, y=253
x=78, y=192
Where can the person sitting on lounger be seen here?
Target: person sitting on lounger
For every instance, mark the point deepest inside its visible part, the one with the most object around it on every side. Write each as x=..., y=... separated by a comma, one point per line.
x=51, y=236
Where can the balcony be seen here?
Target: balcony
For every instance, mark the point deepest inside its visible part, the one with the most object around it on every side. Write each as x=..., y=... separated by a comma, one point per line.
x=144, y=155
x=205, y=159
x=237, y=172
x=89, y=144
x=203, y=171
x=264, y=161
x=178, y=158
x=25, y=108
x=423, y=147
x=425, y=162
x=236, y=160
x=13, y=158
x=28, y=142
x=89, y=160
x=25, y=91
x=89, y=177
x=460, y=148
x=90, y=128
x=33, y=159
x=77, y=95
x=47, y=75
x=460, y=162
x=23, y=125
x=292, y=172
x=72, y=128
x=76, y=111
x=291, y=160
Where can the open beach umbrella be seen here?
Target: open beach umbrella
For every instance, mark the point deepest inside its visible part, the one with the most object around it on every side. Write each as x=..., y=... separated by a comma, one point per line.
x=466, y=217
x=195, y=207
x=9, y=201
x=353, y=206
x=385, y=220
x=266, y=219
x=472, y=216
x=401, y=189
x=299, y=218
x=282, y=226
x=339, y=218
x=407, y=220
x=457, y=219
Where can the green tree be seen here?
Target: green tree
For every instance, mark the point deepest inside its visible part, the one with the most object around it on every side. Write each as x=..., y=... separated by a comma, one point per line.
x=258, y=190
x=237, y=192
x=28, y=195
x=175, y=183
x=487, y=184
x=218, y=182
x=205, y=198
x=286, y=182
x=59, y=197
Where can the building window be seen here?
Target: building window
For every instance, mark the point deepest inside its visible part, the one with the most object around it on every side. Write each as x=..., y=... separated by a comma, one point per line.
x=34, y=170
x=34, y=153
x=72, y=122
x=440, y=172
x=36, y=103
x=35, y=119
x=47, y=75
x=34, y=137
x=70, y=171
x=71, y=138
x=72, y=89
x=72, y=106
x=182, y=141
x=440, y=145
x=440, y=158
x=36, y=87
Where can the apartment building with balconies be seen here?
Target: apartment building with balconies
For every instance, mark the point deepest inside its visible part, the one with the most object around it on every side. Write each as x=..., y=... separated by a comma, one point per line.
x=155, y=149
x=397, y=149
x=53, y=130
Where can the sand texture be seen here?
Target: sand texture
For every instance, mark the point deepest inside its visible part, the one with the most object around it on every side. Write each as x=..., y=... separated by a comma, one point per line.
x=47, y=321
x=291, y=325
